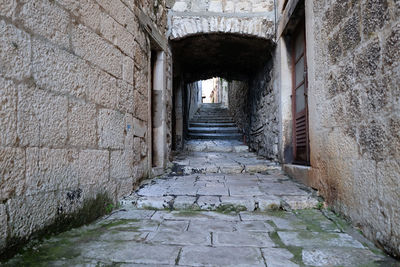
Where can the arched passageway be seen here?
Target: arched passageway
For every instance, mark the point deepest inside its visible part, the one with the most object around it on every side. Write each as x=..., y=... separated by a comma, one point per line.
x=245, y=67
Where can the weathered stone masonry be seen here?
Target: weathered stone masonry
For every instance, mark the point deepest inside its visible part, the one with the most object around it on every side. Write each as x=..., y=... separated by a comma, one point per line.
x=76, y=99
x=354, y=70
x=254, y=105
x=74, y=114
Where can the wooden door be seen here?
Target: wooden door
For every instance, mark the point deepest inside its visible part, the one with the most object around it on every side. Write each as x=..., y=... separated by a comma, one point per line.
x=299, y=98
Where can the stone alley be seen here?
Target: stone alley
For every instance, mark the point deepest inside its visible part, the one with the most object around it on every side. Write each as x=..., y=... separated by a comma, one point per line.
x=213, y=209
x=200, y=133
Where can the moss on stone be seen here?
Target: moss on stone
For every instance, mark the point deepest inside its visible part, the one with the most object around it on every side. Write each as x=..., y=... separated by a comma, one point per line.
x=297, y=254
x=229, y=208
x=91, y=210
x=296, y=251
x=188, y=212
x=277, y=213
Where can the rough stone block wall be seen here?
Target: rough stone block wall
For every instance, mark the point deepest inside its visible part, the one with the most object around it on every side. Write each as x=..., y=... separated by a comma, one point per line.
x=192, y=90
x=74, y=107
x=238, y=103
x=355, y=113
x=254, y=107
x=263, y=100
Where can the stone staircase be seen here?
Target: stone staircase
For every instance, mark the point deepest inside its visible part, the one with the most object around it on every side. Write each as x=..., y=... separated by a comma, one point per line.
x=213, y=122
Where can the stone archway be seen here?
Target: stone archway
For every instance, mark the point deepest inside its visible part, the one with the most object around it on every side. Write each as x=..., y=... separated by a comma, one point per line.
x=245, y=18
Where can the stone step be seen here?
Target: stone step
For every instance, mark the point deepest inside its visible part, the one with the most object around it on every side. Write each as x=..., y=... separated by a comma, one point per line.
x=211, y=117
x=213, y=121
x=213, y=130
x=219, y=136
x=213, y=124
x=216, y=146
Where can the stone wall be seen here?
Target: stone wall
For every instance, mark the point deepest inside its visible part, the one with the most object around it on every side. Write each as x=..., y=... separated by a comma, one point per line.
x=263, y=109
x=254, y=106
x=245, y=17
x=193, y=98
x=238, y=104
x=75, y=104
x=354, y=101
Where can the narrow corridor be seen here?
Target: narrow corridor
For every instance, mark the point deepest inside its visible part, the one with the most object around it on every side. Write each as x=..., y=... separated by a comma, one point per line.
x=213, y=208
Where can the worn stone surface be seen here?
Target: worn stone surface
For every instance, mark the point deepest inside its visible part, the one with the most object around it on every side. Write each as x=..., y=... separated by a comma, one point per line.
x=209, y=185
x=351, y=106
x=338, y=256
x=193, y=238
x=67, y=76
x=74, y=120
x=157, y=235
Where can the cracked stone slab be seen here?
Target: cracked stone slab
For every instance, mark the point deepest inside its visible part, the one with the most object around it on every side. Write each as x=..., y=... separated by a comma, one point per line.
x=317, y=220
x=182, y=189
x=199, y=215
x=243, y=239
x=213, y=189
x=183, y=238
x=339, y=257
x=318, y=239
x=145, y=265
x=278, y=257
x=137, y=225
x=210, y=177
x=249, y=191
x=153, y=190
x=221, y=256
x=286, y=221
x=123, y=236
x=212, y=226
x=173, y=226
x=131, y=252
x=279, y=189
x=254, y=226
x=184, y=202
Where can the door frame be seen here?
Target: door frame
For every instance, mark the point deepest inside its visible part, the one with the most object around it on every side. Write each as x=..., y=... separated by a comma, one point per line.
x=301, y=26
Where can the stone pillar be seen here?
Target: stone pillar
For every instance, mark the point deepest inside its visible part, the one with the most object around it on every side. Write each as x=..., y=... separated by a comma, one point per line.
x=159, y=112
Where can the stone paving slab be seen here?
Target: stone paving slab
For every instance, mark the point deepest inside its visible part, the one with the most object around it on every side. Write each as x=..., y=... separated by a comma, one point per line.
x=256, y=219
x=221, y=256
x=213, y=162
x=173, y=226
x=132, y=252
x=216, y=146
x=242, y=239
x=199, y=215
x=183, y=238
x=318, y=239
x=200, y=238
x=339, y=257
x=212, y=226
x=263, y=189
x=278, y=257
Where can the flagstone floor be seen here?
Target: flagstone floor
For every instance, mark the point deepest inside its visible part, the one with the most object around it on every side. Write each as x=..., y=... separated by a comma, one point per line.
x=212, y=209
